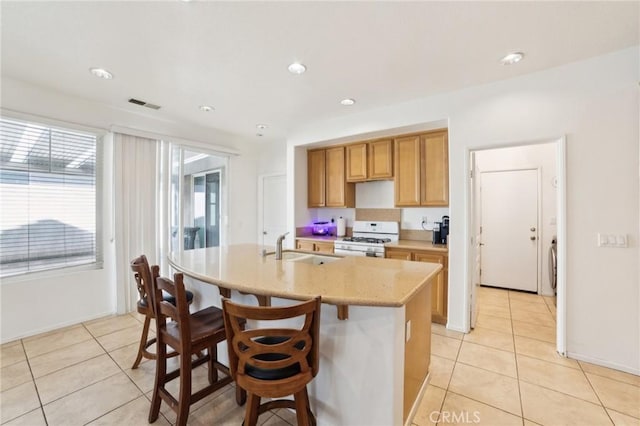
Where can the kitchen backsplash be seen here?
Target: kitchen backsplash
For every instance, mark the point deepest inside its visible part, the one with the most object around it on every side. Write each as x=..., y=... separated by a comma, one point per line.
x=374, y=201
x=409, y=218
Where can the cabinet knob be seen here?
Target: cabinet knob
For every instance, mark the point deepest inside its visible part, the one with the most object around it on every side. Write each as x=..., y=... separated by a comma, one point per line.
x=532, y=238
x=533, y=229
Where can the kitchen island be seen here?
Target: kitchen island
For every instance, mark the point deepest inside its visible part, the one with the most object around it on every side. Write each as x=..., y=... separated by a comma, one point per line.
x=374, y=364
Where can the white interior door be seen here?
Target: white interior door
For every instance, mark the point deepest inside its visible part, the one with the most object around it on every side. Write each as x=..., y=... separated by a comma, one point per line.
x=274, y=208
x=476, y=241
x=510, y=229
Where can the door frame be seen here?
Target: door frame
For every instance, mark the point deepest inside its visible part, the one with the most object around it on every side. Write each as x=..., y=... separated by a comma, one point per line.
x=561, y=222
x=219, y=171
x=539, y=249
x=261, y=179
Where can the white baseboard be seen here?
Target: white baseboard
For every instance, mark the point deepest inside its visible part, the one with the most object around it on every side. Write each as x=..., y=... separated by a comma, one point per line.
x=604, y=363
x=52, y=327
x=456, y=328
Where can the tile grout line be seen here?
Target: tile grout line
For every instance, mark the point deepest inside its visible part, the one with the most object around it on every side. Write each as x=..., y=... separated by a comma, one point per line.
x=515, y=358
x=35, y=385
x=121, y=370
x=596, y=393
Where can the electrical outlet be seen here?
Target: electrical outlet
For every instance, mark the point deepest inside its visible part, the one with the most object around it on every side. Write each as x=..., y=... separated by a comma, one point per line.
x=425, y=219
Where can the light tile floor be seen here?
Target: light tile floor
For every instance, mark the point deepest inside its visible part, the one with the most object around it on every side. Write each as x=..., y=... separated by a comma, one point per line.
x=506, y=371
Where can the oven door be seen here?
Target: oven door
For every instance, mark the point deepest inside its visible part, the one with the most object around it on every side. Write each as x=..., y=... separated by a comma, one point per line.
x=347, y=252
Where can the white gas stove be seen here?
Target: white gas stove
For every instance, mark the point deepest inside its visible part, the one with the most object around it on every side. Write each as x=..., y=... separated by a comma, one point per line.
x=368, y=239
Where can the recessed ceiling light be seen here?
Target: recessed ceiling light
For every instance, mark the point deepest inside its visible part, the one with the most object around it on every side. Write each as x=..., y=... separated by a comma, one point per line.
x=348, y=102
x=206, y=108
x=102, y=73
x=297, y=68
x=512, y=58
x=261, y=126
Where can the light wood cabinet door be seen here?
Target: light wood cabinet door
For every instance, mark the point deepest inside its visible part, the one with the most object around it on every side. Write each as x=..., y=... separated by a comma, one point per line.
x=397, y=254
x=322, y=247
x=339, y=193
x=380, y=160
x=305, y=245
x=357, y=162
x=406, y=162
x=438, y=286
x=316, y=178
x=435, y=170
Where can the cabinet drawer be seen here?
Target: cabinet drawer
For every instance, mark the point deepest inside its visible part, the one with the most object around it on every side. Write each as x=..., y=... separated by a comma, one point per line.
x=305, y=245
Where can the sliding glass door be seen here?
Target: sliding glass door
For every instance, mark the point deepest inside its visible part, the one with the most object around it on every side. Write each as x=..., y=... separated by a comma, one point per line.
x=196, y=187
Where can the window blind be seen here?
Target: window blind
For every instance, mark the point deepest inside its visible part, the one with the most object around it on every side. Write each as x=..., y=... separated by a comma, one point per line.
x=48, y=190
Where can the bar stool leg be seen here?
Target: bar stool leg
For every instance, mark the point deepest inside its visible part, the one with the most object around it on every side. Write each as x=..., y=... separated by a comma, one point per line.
x=253, y=407
x=143, y=341
x=241, y=395
x=302, y=406
x=184, y=398
x=161, y=373
x=213, y=370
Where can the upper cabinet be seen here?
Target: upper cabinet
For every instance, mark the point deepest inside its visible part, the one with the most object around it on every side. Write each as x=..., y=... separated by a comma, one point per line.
x=327, y=184
x=370, y=161
x=418, y=164
x=422, y=170
x=316, y=178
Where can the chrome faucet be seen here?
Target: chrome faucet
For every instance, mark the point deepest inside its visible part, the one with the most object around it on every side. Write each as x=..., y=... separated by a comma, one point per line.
x=279, y=246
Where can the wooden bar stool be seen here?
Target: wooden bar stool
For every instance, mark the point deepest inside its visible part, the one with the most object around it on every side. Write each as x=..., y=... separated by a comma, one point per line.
x=274, y=362
x=144, y=275
x=188, y=334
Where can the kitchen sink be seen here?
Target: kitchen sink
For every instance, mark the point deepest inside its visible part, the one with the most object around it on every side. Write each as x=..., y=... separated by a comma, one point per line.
x=288, y=255
x=312, y=259
x=315, y=259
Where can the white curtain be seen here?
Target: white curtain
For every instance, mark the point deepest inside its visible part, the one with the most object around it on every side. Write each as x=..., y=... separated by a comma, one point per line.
x=135, y=210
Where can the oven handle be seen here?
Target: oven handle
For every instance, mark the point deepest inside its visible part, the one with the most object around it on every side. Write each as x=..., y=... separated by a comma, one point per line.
x=348, y=252
x=345, y=252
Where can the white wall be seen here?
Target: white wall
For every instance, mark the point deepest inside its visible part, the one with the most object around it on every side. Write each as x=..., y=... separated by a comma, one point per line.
x=542, y=156
x=595, y=104
x=34, y=304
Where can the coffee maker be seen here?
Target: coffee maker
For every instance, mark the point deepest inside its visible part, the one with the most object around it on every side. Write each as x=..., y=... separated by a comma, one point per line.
x=444, y=230
x=441, y=231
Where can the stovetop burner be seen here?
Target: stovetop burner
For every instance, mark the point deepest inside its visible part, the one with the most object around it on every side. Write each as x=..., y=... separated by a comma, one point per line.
x=367, y=240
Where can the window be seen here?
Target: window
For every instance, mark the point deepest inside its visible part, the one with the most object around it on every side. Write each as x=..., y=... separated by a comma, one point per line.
x=48, y=197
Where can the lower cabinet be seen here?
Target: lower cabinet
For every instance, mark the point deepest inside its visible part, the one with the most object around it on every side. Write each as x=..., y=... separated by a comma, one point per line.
x=439, y=287
x=317, y=246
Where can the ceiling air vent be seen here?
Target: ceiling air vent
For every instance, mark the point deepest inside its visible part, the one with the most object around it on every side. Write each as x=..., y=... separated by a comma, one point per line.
x=143, y=103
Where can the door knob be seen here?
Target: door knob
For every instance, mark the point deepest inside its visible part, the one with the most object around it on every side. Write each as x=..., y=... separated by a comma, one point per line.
x=533, y=229
x=532, y=238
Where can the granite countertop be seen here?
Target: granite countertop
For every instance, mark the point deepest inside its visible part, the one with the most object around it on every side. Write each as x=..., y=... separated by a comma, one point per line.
x=418, y=245
x=351, y=280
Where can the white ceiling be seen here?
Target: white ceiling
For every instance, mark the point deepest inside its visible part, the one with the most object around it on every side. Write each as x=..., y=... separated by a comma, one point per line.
x=234, y=55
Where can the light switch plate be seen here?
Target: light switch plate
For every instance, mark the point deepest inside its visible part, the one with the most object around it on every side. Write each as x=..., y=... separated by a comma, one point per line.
x=603, y=240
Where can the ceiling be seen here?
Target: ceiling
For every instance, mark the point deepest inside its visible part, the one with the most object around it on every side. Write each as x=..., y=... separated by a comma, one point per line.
x=234, y=55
